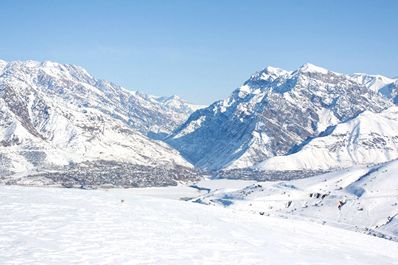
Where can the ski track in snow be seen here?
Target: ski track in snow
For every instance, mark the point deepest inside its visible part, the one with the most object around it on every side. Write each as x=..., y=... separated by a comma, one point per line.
x=67, y=226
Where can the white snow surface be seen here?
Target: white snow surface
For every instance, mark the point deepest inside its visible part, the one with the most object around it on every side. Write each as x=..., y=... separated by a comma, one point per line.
x=67, y=226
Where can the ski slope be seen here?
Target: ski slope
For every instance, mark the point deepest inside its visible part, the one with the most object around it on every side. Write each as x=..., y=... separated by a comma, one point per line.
x=70, y=226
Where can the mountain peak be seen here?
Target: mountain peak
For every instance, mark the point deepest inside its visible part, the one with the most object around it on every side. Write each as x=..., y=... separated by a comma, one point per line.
x=178, y=104
x=48, y=66
x=168, y=99
x=174, y=97
x=273, y=71
x=311, y=68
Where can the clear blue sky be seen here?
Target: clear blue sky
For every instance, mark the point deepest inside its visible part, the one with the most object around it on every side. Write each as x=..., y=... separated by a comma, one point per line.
x=198, y=49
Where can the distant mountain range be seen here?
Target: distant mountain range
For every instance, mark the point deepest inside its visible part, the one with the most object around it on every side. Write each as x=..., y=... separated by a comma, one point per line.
x=59, y=124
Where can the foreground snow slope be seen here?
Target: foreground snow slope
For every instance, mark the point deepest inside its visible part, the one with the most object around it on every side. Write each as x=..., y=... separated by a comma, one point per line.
x=363, y=199
x=66, y=226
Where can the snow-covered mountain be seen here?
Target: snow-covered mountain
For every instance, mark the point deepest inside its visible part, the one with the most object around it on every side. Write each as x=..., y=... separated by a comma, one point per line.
x=56, y=116
x=277, y=112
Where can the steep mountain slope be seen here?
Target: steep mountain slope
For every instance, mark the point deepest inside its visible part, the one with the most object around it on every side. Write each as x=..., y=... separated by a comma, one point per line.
x=359, y=198
x=58, y=117
x=275, y=112
x=369, y=138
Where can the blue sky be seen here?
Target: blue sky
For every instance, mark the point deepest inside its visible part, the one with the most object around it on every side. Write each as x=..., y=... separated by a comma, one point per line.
x=201, y=50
